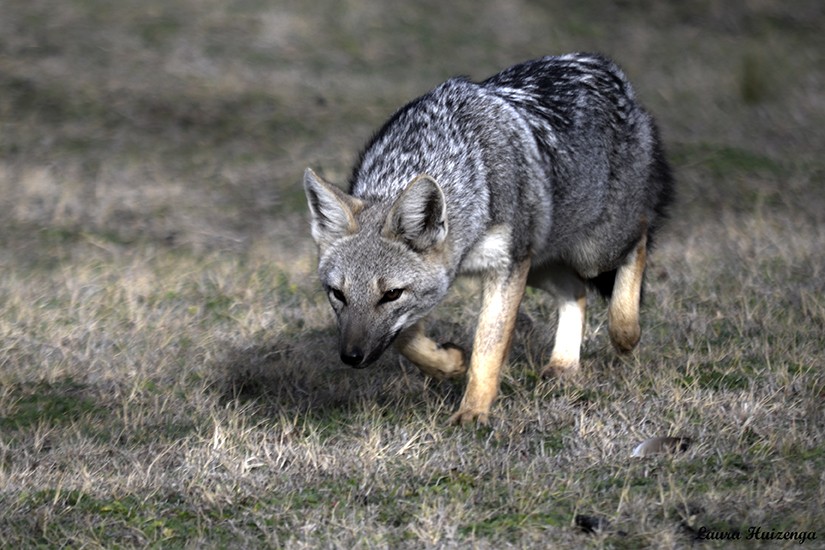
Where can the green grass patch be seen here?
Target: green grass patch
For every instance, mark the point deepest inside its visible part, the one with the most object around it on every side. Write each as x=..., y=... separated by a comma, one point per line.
x=508, y=525
x=51, y=404
x=162, y=521
x=723, y=160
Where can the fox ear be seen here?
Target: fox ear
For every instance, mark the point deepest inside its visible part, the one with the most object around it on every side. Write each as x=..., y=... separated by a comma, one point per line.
x=333, y=211
x=419, y=216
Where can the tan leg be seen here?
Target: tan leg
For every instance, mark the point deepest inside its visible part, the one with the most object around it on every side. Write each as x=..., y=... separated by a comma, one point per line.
x=437, y=360
x=571, y=293
x=623, y=310
x=501, y=296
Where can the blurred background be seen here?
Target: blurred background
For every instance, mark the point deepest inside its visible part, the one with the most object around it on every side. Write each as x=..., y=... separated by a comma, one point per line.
x=188, y=123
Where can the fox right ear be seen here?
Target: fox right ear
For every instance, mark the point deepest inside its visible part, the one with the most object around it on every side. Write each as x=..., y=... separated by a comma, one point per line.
x=419, y=215
x=333, y=211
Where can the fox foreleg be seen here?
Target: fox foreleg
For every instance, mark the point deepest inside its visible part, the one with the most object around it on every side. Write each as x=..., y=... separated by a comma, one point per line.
x=501, y=296
x=437, y=360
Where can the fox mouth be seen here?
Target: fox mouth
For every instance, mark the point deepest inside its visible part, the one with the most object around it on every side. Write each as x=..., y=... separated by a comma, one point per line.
x=354, y=355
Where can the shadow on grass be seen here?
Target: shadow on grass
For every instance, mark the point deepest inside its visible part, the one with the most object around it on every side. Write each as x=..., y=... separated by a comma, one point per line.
x=301, y=374
x=304, y=376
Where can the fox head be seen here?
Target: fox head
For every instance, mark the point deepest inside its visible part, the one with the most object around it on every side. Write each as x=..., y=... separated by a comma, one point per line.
x=381, y=263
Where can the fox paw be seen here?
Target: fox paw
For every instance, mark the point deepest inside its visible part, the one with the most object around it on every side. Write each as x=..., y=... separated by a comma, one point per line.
x=456, y=366
x=560, y=369
x=465, y=417
x=625, y=338
x=448, y=362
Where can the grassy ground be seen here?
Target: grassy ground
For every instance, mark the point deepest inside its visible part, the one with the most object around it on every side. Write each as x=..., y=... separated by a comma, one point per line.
x=168, y=374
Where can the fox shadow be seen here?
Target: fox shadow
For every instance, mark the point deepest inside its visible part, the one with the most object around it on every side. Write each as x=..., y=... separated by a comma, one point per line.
x=304, y=376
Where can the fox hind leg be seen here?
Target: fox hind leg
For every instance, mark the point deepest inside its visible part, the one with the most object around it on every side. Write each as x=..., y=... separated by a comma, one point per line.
x=571, y=293
x=623, y=309
x=437, y=360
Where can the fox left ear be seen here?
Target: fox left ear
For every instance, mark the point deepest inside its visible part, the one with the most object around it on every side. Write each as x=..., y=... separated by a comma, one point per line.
x=419, y=216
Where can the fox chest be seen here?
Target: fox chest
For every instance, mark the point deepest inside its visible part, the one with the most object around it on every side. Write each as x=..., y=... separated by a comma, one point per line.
x=492, y=252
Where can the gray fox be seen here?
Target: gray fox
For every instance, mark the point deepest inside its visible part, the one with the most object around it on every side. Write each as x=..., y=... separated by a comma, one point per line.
x=548, y=174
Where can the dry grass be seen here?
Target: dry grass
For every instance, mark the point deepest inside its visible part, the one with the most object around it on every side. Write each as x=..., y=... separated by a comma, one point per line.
x=167, y=364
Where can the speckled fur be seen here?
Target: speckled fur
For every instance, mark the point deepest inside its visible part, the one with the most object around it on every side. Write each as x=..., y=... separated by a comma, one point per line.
x=552, y=162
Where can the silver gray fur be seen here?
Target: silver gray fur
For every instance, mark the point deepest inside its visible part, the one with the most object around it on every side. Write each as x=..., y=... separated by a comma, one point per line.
x=556, y=152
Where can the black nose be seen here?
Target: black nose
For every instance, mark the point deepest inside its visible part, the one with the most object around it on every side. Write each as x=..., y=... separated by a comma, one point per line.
x=352, y=357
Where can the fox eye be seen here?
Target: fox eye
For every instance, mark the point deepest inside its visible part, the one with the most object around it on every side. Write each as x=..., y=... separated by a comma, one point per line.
x=391, y=295
x=338, y=295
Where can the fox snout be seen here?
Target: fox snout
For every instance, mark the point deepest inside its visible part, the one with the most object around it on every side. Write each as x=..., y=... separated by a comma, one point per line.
x=354, y=355
x=352, y=337
x=359, y=348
